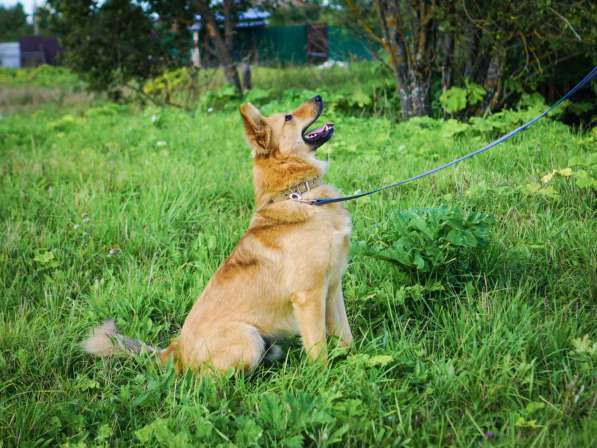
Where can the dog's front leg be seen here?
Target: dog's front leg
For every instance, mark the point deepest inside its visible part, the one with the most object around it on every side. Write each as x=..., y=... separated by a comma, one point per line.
x=309, y=311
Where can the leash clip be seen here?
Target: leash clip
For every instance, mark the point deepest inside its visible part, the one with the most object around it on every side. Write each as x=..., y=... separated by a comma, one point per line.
x=297, y=197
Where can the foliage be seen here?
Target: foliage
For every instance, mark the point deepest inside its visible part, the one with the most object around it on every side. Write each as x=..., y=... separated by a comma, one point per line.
x=13, y=23
x=437, y=240
x=287, y=13
x=505, y=47
x=42, y=76
x=26, y=89
x=170, y=84
x=364, y=89
x=372, y=95
x=110, y=44
x=218, y=21
x=456, y=99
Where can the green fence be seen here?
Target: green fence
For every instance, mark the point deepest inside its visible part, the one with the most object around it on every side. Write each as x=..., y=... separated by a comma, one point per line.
x=287, y=44
x=282, y=44
x=344, y=45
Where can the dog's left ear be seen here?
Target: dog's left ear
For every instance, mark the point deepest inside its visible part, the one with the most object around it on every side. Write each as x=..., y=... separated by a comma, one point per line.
x=257, y=131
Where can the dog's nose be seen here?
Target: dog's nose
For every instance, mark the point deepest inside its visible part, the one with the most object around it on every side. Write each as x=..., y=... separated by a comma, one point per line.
x=317, y=99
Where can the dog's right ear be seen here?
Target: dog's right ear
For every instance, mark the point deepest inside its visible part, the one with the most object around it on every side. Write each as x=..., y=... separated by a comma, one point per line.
x=257, y=131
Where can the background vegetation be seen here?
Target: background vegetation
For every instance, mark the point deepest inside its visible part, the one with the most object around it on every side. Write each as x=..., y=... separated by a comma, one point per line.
x=477, y=56
x=471, y=293
x=13, y=23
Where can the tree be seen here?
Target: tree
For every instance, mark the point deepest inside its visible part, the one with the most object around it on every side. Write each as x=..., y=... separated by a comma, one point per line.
x=284, y=12
x=115, y=42
x=408, y=32
x=110, y=43
x=223, y=44
x=218, y=19
x=524, y=43
x=13, y=23
x=500, y=45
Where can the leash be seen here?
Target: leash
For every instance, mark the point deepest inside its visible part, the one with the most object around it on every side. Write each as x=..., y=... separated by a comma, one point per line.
x=503, y=138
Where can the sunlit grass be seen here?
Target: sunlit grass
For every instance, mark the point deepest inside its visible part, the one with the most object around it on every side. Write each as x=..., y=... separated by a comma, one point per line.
x=115, y=212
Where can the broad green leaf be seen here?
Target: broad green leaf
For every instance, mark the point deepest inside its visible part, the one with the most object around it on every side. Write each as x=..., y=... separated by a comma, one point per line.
x=419, y=262
x=361, y=98
x=379, y=360
x=548, y=177
x=453, y=100
x=534, y=406
x=475, y=92
x=521, y=422
x=584, y=180
x=248, y=433
x=44, y=257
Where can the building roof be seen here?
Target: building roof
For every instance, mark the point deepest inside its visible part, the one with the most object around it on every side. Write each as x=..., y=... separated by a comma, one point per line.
x=250, y=18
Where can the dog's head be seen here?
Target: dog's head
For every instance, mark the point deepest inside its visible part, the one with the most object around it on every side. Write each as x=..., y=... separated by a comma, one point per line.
x=285, y=134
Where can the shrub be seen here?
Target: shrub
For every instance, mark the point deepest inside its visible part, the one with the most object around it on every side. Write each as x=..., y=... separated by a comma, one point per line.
x=429, y=242
x=111, y=44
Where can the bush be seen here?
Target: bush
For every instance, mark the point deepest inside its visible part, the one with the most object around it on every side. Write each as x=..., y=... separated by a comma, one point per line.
x=111, y=44
x=432, y=241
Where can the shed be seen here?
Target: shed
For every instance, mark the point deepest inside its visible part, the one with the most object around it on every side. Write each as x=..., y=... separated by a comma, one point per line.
x=37, y=50
x=10, y=55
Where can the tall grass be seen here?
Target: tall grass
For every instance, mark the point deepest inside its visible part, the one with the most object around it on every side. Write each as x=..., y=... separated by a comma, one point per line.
x=126, y=213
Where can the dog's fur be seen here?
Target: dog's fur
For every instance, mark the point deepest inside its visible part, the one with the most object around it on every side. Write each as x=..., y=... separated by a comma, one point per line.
x=283, y=278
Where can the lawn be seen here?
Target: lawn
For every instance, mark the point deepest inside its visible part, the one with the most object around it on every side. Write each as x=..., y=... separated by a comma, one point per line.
x=117, y=211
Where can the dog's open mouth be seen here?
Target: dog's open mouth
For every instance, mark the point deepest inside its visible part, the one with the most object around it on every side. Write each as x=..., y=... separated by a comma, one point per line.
x=317, y=137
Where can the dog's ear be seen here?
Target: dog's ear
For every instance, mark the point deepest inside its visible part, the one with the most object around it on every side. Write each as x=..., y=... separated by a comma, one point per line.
x=257, y=131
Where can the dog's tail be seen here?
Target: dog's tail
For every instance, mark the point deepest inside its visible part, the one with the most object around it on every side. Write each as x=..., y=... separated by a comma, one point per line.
x=105, y=340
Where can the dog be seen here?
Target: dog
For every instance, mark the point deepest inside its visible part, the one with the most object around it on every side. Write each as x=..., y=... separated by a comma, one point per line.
x=284, y=277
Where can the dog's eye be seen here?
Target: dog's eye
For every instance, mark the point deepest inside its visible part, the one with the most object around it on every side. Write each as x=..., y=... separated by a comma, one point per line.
x=288, y=117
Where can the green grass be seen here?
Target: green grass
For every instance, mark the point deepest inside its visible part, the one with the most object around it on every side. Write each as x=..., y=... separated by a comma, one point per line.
x=117, y=212
x=26, y=89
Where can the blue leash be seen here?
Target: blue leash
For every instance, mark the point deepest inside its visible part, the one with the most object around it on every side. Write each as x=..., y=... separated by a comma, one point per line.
x=503, y=138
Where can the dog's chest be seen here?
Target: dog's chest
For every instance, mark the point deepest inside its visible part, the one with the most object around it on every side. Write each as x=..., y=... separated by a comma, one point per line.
x=342, y=230
x=338, y=239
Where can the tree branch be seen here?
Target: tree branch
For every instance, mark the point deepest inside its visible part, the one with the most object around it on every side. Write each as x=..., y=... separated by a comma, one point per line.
x=357, y=13
x=154, y=101
x=567, y=23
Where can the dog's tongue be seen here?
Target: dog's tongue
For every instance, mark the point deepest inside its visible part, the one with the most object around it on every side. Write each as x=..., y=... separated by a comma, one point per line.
x=318, y=131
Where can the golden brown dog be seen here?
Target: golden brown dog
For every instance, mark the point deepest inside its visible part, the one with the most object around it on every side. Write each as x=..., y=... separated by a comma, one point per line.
x=284, y=277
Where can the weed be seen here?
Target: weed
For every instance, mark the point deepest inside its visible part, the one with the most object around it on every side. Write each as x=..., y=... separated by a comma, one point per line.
x=437, y=240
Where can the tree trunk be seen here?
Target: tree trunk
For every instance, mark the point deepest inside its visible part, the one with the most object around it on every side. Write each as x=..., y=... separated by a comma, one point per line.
x=493, y=81
x=245, y=69
x=228, y=24
x=388, y=12
x=448, y=60
x=420, y=87
x=471, y=56
x=423, y=28
x=222, y=50
x=410, y=51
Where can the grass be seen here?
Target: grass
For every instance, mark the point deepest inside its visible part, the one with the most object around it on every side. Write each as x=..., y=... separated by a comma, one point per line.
x=118, y=212
x=25, y=90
